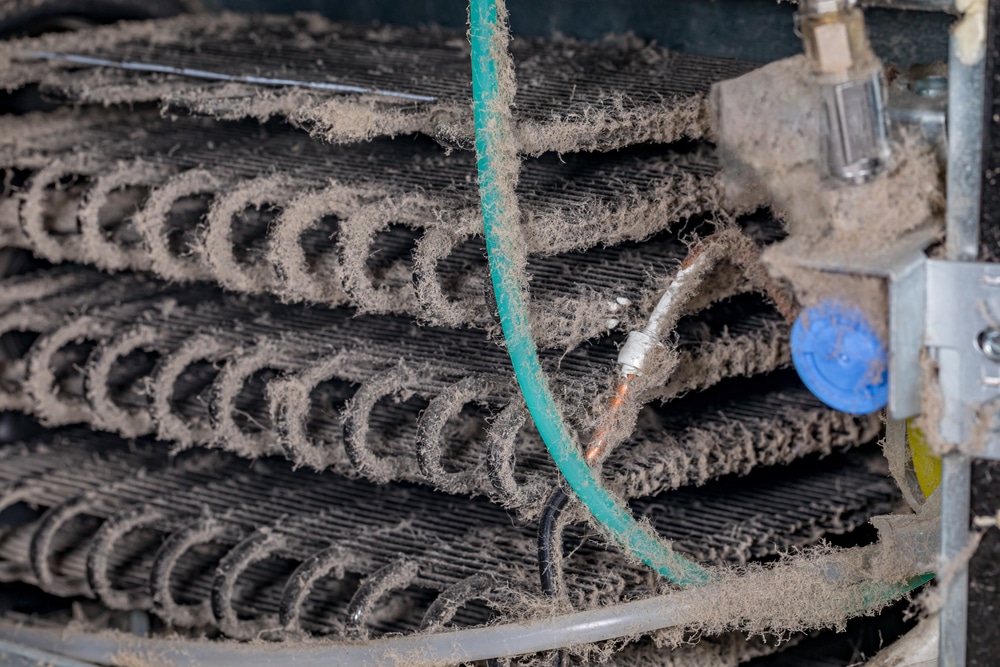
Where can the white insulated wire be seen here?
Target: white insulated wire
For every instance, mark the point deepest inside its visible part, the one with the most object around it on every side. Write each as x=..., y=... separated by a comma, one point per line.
x=219, y=76
x=639, y=343
x=676, y=609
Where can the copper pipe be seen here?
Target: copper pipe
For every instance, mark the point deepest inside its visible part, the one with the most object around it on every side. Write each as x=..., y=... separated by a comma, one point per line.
x=753, y=270
x=600, y=440
x=599, y=443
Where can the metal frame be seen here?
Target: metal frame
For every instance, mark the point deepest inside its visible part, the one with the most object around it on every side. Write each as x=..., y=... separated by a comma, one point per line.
x=944, y=305
x=963, y=301
x=965, y=146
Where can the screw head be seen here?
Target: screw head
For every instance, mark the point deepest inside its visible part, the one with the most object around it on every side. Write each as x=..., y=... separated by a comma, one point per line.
x=989, y=343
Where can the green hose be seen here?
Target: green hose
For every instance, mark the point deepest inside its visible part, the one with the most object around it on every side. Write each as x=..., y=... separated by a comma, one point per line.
x=500, y=219
x=879, y=593
x=498, y=166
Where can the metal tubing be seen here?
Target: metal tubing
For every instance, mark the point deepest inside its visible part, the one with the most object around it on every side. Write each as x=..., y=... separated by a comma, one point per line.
x=956, y=481
x=154, y=68
x=16, y=655
x=965, y=155
x=545, y=633
x=966, y=89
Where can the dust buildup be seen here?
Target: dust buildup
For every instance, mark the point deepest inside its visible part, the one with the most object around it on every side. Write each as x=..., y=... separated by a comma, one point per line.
x=48, y=213
x=257, y=524
x=107, y=230
x=251, y=203
x=777, y=159
x=868, y=294
x=321, y=223
x=27, y=288
x=54, y=380
x=727, y=650
x=325, y=334
x=177, y=408
x=256, y=377
x=112, y=375
x=573, y=96
x=317, y=222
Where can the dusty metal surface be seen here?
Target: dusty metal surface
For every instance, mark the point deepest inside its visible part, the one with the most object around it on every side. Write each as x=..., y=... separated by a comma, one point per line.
x=573, y=96
x=379, y=397
x=131, y=539
x=385, y=226
x=293, y=334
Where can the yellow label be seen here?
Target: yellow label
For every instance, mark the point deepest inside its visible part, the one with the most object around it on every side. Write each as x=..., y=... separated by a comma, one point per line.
x=926, y=466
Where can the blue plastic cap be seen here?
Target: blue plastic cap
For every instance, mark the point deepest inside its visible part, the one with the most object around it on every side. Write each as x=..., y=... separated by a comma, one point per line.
x=840, y=358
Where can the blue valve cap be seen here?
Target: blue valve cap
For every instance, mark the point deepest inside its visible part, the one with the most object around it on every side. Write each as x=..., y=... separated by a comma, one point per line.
x=840, y=358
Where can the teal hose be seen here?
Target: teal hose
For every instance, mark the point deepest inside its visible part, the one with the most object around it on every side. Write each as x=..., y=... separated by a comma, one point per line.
x=497, y=177
x=878, y=594
x=498, y=165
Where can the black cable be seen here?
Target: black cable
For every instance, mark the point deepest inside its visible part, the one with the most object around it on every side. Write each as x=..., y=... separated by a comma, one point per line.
x=546, y=535
x=546, y=532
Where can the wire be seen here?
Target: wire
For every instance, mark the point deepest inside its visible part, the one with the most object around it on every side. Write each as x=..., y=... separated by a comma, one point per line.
x=546, y=531
x=544, y=633
x=219, y=76
x=547, y=569
x=599, y=443
x=631, y=361
x=632, y=358
x=497, y=177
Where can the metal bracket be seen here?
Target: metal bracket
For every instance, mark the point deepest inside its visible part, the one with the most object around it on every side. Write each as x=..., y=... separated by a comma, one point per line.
x=907, y=304
x=963, y=307
x=952, y=308
x=903, y=267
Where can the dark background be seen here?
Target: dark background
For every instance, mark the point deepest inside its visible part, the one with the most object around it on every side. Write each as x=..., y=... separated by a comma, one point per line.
x=756, y=30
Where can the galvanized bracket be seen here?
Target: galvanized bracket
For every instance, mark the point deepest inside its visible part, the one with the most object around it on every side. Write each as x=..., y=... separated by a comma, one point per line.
x=947, y=307
x=903, y=266
x=963, y=307
x=907, y=305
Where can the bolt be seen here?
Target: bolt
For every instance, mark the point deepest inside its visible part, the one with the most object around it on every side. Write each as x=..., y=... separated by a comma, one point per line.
x=989, y=343
x=931, y=86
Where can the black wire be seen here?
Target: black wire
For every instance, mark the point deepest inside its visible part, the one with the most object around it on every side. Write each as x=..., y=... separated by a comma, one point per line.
x=546, y=567
x=546, y=531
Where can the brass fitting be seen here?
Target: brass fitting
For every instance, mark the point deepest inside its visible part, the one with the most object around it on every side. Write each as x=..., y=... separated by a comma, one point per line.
x=833, y=33
x=856, y=126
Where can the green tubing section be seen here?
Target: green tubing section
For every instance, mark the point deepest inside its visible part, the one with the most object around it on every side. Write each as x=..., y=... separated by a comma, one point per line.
x=877, y=594
x=492, y=130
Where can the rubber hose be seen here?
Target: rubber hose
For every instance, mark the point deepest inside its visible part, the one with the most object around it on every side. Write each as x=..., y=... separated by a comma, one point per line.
x=546, y=538
x=500, y=220
x=677, y=609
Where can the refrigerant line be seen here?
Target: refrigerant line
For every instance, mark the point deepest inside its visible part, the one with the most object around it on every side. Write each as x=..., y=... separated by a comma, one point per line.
x=153, y=68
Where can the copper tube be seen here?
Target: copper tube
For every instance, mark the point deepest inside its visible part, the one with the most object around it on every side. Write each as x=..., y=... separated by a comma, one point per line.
x=600, y=440
x=697, y=250
x=599, y=443
x=755, y=272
